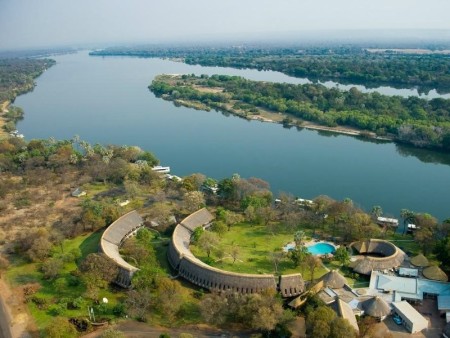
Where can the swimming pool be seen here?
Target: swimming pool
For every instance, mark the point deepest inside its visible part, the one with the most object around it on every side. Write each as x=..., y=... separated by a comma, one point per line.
x=321, y=249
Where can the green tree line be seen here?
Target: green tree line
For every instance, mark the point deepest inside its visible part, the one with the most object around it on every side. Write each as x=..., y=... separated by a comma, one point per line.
x=420, y=122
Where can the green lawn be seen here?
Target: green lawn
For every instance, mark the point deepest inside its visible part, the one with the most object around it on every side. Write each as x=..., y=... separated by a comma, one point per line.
x=22, y=272
x=255, y=244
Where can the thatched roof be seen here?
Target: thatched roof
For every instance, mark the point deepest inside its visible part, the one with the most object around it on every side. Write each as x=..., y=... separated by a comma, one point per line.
x=376, y=307
x=420, y=260
x=334, y=279
x=393, y=256
x=435, y=273
x=344, y=310
x=291, y=285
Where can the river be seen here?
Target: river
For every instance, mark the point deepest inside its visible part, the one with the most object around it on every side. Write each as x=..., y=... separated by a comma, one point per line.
x=106, y=100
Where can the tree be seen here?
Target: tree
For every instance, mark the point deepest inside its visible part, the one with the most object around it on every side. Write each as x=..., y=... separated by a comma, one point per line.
x=367, y=326
x=264, y=311
x=169, y=297
x=318, y=322
x=51, y=268
x=266, y=215
x=214, y=308
x=193, y=200
x=313, y=262
x=219, y=227
x=299, y=237
x=40, y=249
x=231, y=218
x=135, y=251
x=377, y=211
x=208, y=241
x=408, y=216
x=342, y=255
x=276, y=257
x=341, y=328
x=138, y=303
x=100, y=266
x=235, y=252
x=424, y=235
x=299, y=255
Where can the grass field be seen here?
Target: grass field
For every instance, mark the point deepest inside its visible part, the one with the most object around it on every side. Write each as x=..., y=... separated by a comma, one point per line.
x=54, y=296
x=255, y=245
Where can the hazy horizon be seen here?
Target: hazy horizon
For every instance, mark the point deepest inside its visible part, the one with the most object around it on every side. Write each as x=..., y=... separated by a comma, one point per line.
x=28, y=24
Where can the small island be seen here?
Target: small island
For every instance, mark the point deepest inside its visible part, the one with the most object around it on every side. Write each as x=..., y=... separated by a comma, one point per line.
x=419, y=122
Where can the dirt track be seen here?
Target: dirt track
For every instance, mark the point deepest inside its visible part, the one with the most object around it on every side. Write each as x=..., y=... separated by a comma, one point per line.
x=5, y=320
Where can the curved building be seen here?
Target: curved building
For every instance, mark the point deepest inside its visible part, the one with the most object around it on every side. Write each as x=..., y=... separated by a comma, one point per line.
x=385, y=256
x=113, y=238
x=213, y=279
x=188, y=266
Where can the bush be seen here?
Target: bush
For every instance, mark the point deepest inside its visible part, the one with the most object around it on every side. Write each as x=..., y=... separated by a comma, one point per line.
x=40, y=302
x=76, y=303
x=119, y=310
x=57, y=309
x=73, y=281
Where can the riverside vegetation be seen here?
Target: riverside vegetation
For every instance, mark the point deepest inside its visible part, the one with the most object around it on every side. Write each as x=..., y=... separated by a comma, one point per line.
x=17, y=77
x=346, y=64
x=52, y=262
x=419, y=122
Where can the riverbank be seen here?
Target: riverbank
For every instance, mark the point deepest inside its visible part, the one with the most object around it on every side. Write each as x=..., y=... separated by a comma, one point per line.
x=264, y=115
x=3, y=109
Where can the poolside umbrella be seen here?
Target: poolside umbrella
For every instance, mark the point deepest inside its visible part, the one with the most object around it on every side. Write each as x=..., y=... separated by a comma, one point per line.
x=376, y=307
x=420, y=261
x=334, y=279
x=435, y=273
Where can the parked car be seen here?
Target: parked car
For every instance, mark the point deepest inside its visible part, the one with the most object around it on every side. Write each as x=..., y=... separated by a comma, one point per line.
x=397, y=319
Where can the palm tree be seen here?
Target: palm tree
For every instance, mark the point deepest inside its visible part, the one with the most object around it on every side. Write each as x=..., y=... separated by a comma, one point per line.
x=376, y=211
x=407, y=216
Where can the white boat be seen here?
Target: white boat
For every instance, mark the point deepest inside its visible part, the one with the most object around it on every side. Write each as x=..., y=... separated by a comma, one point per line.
x=387, y=221
x=161, y=169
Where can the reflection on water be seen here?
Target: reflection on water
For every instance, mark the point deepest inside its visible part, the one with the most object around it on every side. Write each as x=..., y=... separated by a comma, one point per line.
x=426, y=156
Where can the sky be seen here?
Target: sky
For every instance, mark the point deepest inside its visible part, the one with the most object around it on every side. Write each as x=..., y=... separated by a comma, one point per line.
x=47, y=23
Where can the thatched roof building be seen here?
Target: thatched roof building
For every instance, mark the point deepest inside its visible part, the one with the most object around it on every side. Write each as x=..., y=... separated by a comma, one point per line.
x=376, y=307
x=420, y=260
x=345, y=311
x=291, y=285
x=435, y=273
x=391, y=256
x=334, y=279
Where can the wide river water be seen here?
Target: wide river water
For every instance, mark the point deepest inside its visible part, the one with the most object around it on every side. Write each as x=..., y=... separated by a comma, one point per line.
x=106, y=100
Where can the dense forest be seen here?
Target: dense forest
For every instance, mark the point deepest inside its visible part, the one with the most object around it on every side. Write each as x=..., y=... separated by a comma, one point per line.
x=17, y=75
x=411, y=120
x=347, y=65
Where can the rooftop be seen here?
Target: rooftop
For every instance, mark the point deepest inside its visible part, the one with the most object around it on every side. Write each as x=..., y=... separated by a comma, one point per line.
x=407, y=311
